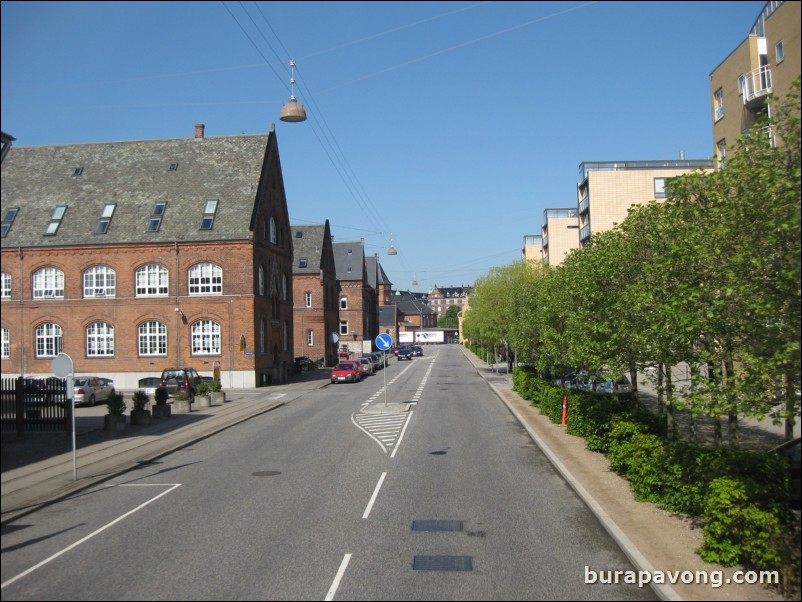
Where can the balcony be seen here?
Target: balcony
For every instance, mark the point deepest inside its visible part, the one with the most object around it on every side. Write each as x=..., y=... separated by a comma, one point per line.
x=756, y=87
x=584, y=205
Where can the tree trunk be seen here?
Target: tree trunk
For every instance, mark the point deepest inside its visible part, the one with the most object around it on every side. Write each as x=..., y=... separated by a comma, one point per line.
x=671, y=434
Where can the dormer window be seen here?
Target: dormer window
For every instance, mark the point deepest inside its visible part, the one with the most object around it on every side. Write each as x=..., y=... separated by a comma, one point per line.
x=55, y=220
x=105, y=219
x=77, y=171
x=173, y=167
x=207, y=222
x=156, y=216
x=8, y=219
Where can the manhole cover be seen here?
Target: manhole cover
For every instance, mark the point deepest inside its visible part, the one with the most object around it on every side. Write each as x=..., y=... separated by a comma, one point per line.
x=442, y=563
x=266, y=473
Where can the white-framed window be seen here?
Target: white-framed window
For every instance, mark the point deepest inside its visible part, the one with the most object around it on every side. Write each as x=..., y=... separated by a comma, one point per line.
x=343, y=326
x=718, y=103
x=205, y=279
x=100, y=340
x=5, y=344
x=100, y=281
x=152, y=339
x=48, y=283
x=152, y=280
x=310, y=338
x=308, y=299
x=741, y=84
x=261, y=280
x=343, y=302
x=659, y=188
x=205, y=337
x=780, y=50
x=5, y=286
x=49, y=340
x=721, y=149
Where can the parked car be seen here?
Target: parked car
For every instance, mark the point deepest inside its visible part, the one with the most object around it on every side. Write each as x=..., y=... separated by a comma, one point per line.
x=92, y=389
x=359, y=365
x=790, y=450
x=346, y=372
x=367, y=364
x=619, y=387
x=180, y=380
x=417, y=351
x=404, y=353
x=304, y=364
x=378, y=359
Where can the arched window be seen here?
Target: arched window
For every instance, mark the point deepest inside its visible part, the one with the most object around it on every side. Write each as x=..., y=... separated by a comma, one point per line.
x=343, y=302
x=48, y=283
x=261, y=280
x=49, y=340
x=272, y=230
x=152, y=339
x=100, y=340
x=100, y=281
x=206, y=338
x=152, y=280
x=205, y=279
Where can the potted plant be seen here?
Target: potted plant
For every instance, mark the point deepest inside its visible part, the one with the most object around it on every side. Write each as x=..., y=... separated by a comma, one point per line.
x=139, y=413
x=161, y=409
x=115, y=419
x=216, y=392
x=202, y=399
x=182, y=403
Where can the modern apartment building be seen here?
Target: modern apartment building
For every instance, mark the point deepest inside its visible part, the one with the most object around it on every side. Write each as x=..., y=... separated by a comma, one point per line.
x=765, y=63
x=533, y=248
x=560, y=234
x=607, y=189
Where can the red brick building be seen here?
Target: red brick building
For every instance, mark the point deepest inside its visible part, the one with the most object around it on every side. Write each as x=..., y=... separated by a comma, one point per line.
x=133, y=257
x=316, y=293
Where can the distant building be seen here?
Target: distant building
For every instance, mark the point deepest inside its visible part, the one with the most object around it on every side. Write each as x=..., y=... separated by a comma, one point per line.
x=134, y=257
x=766, y=62
x=316, y=293
x=442, y=297
x=358, y=303
x=532, y=249
x=560, y=234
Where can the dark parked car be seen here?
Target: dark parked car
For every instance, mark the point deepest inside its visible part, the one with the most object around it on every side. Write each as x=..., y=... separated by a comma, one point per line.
x=417, y=351
x=404, y=353
x=304, y=364
x=180, y=380
x=619, y=387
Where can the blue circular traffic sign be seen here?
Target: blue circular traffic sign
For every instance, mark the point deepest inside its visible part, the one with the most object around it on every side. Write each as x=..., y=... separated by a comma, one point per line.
x=384, y=341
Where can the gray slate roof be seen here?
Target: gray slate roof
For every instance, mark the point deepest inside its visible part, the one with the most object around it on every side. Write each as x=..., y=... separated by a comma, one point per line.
x=349, y=259
x=309, y=246
x=134, y=176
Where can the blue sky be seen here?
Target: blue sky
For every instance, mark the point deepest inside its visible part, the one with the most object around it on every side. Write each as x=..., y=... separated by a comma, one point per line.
x=444, y=129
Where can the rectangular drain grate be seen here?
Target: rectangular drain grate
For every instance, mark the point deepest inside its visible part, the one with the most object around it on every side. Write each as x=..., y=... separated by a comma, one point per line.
x=442, y=563
x=437, y=525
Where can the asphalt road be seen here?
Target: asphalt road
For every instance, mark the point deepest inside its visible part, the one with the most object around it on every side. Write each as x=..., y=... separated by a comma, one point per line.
x=330, y=497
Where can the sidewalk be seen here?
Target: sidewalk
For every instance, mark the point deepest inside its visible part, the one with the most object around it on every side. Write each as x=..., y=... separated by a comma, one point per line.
x=654, y=540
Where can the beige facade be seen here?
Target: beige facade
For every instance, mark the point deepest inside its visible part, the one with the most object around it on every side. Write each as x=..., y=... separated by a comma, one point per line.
x=607, y=190
x=533, y=248
x=765, y=63
x=560, y=234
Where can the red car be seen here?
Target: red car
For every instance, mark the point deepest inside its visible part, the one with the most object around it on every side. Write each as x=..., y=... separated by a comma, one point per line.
x=346, y=372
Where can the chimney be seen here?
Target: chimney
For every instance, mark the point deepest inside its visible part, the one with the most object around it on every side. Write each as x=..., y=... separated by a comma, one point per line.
x=199, y=127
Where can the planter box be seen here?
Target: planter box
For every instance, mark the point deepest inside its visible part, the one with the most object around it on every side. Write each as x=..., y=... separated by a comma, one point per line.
x=218, y=397
x=140, y=417
x=161, y=411
x=202, y=401
x=114, y=423
x=181, y=406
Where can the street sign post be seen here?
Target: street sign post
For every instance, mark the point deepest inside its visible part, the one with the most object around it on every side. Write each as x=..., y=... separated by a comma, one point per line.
x=384, y=342
x=63, y=368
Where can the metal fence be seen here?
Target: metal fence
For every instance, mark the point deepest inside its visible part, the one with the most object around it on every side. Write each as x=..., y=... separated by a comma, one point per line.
x=34, y=404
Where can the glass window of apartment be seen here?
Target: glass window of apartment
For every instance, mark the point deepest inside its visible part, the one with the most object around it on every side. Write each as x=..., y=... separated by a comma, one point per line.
x=343, y=302
x=308, y=299
x=152, y=339
x=152, y=280
x=780, y=50
x=49, y=341
x=718, y=103
x=343, y=326
x=48, y=283
x=310, y=338
x=155, y=221
x=721, y=151
x=100, y=281
x=104, y=221
x=5, y=346
x=55, y=220
x=659, y=188
x=205, y=279
x=100, y=340
x=206, y=338
x=5, y=286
